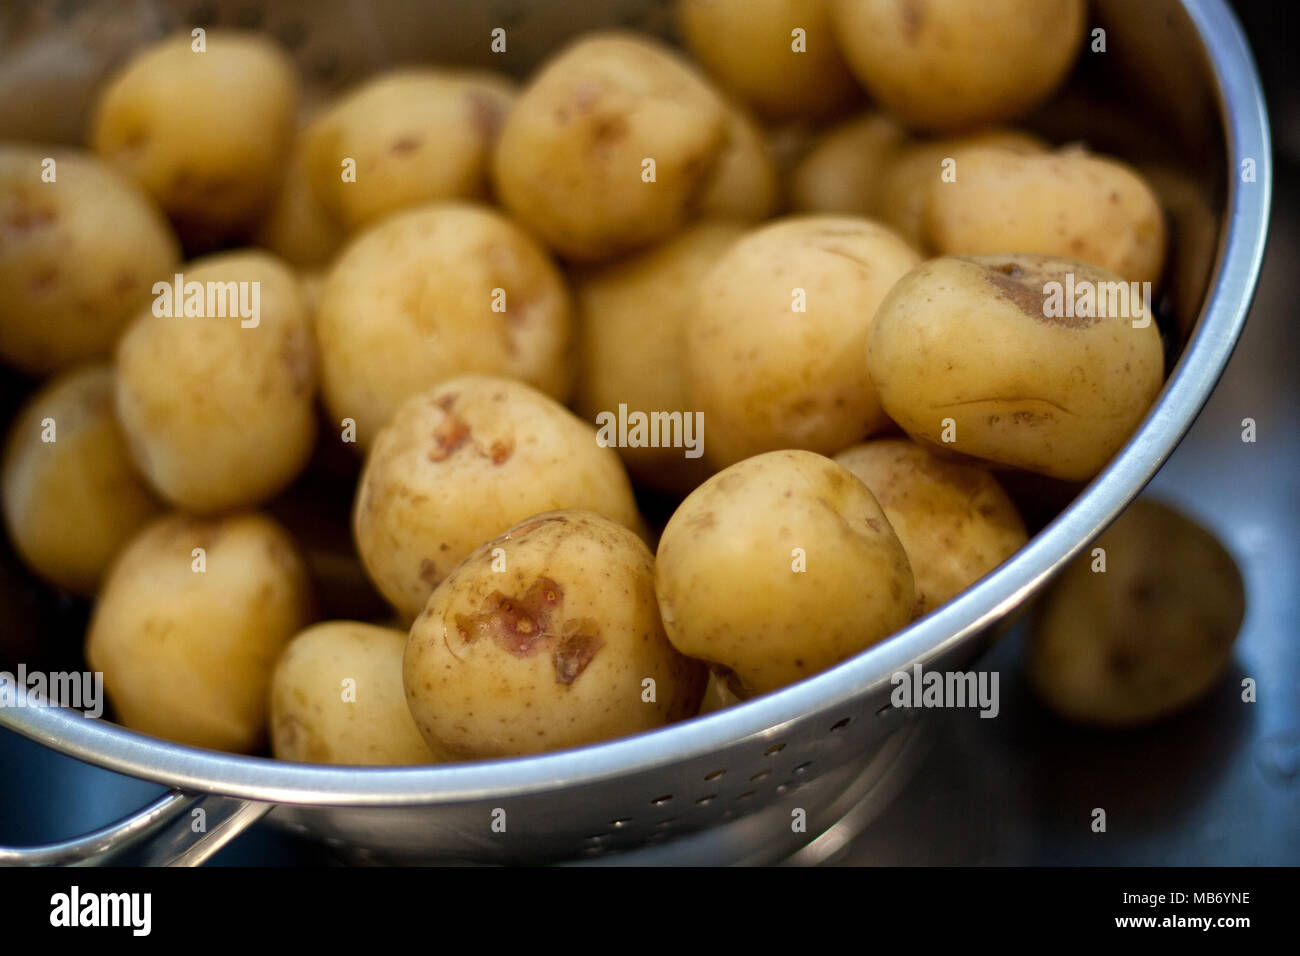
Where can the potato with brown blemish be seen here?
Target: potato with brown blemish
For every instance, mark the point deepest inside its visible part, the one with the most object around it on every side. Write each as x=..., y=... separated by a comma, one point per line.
x=610, y=147
x=989, y=357
x=844, y=170
x=544, y=638
x=190, y=622
x=1145, y=637
x=461, y=463
x=958, y=64
x=416, y=136
x=204, y=132
x=774, y=348
x=217, y=407
x=955, y=521
x=71, y=503
x=435, y=292
x=78, y=256
x=337, y=698
x=744, y=186
x=780, y=567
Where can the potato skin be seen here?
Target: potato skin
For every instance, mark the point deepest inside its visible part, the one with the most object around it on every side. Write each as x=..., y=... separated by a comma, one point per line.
x=954, y=520
x=768, y=377
x=204, y=133
x=312, y=722
x=296, y=226
x=1147, y=637
x=77, y=258
x=188, y=655
x=553, y=651
x=414, y=301
x=217, y=415
x=569, y=162
x=461, y=463
x=744, y=186
x=844, y=170
x=726, y=580
x=71, y=504
x=968, y=340
x=946, y=65
x=1067, y=203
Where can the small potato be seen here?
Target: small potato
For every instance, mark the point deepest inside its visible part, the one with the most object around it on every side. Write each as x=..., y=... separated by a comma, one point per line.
x=436, y=292
x=773, y=351
x=78, y=256
x=545, y=638
x=296, y=226
x=844, y=170
x=954, y=520
x=72, y=502
x=610, y=146
x=777, y=55
x=633, y=325
x=416, y=136
x=744, y=186
x=461, y=463
x=203, y=131
x=958, y=64
x=1144, y=637
x=337, y=697
x=188, y=626
x=218, y=409
x=779, y=567
x=981, y=356
x=1068, y=203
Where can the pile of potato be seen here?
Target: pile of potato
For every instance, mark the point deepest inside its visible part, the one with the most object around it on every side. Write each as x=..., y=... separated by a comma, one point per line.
x=448, y=262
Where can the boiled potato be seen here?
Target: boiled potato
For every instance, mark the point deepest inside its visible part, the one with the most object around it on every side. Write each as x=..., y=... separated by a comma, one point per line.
x=779, y=567
x=610, y=146
x=1147, y=635
x=972, y=355
x=544, y=638
x=432, y=293
x=774, y=349
x=218, y=409
x=296, y=226
x=416, y=136
x=844, y=170
x=461, y=463
x=78, y=256
x=188, y=626
x=1068, y=203
x=957, y=64
x=72, y=502
x=633, y=317
x=777, y=55
x=204, y=132
x=954, y=520
x=744, y=186
x=337, y=697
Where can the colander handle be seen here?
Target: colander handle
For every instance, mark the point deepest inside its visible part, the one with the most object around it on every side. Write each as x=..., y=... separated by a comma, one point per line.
x=160, y=834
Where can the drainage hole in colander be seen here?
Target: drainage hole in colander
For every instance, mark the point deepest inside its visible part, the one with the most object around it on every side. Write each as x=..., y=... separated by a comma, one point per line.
x=782, y=789
x=746, y=795
x=664, y=824
x=714, y=775
x=596, y=840
x=706, y=799
x=660, y=801
x=775, y=749
x=620, y=823
x=841, y=724
x=803, y=767
x=759, y=776
x=888, y=708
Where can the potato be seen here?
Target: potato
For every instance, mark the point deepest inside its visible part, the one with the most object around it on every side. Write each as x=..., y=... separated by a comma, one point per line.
x=432, y=293
x=779, y=567
x=751, y=47
x=908, y=172
x=188, y=626
x=416, y=136
x=463, y=462
x=217, y=410
x=337, y=697
x=774, y=349
x=296, y=225
x=844, y=170
x=1068, y=203
x=954, y=520
x=78, y=256
x=1146, y=637
x=957, y=64
x=633, y=325
x=744, y=186
x=71, y=503
x=972, y=355
x=204, y=132
x=610, y=146
x=544, y=638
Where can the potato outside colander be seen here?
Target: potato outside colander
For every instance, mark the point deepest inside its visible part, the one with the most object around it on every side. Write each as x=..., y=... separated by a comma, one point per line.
x=1175, y=90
